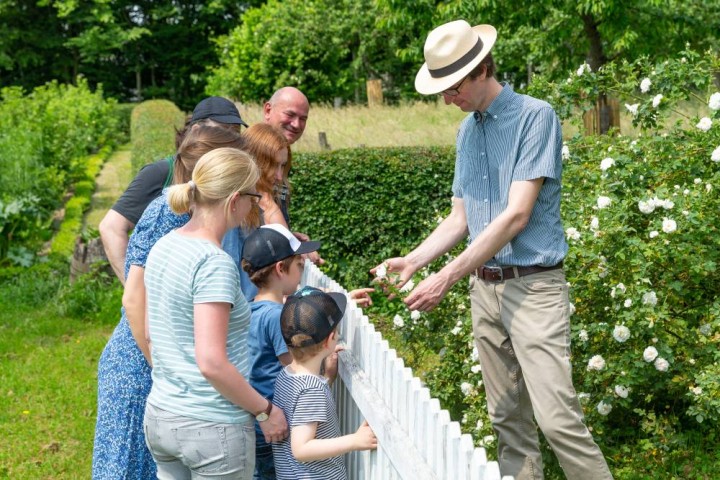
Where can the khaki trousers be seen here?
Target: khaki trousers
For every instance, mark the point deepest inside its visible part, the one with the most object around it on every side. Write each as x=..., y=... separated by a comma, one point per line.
x=522, y=332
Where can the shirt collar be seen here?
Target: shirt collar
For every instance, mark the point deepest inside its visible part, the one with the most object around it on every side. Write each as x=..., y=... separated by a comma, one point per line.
x=501, y=102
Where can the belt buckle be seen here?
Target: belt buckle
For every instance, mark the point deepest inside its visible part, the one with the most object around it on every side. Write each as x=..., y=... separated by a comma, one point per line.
x=494, y=269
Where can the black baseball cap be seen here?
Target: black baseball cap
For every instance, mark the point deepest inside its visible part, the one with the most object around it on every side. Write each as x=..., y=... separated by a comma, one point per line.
x=271, y=243
x=217, y=109
x=310, y=315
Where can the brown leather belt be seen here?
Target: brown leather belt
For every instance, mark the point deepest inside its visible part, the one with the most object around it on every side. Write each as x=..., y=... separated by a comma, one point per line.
x=500, y=274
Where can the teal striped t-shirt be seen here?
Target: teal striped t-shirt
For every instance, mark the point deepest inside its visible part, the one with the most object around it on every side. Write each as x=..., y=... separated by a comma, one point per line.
x=180, y=272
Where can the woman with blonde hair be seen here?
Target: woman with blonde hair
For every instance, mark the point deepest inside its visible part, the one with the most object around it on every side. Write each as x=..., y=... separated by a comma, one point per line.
x=201, y=409
x=124, y=369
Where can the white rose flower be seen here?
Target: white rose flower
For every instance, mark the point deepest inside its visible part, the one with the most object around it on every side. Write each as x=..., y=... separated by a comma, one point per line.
x=604, y=408
x=668, y=204
x=649, y=298
x=646, y=207
x=708, y=187
x=606, y=163
x=475, y=356
x=661, y=364
x=603, y=202
x=654, y=234
x=656, y=100
x=597, y=362
x=621, y=333
x=696, y=390
x=628, y=303
x=398, y=321
x=669, y=225
x=633, y=109
x=408, y=286
x=572, y=309
x=705, y=329
x=594, y=223
x=488, y=439
x=583, y=335
x=466, y=388
x=476, y=368
x=621, y=391
x=415, y=315
x=582, y=396
x=714, y=102
x=645, y=85
x=583, y=68
x=715, y=156
x=572, y=233
x=698, y=181
x=565, y=152
x=704, y=124
x=479, y=425
x=650, y=354
x=381, y=271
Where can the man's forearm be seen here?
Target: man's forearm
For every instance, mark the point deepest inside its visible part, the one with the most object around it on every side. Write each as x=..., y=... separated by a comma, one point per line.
x=114, y=229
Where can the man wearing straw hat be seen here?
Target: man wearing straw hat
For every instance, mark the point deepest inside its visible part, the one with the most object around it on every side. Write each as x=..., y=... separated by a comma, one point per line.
x=506, y=197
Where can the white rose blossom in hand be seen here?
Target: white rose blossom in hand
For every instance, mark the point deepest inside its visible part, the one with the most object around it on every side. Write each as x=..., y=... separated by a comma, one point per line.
x=381, y=271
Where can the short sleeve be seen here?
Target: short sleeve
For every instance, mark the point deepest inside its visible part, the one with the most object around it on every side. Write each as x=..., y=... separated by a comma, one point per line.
x=216, y=280
x=274, y=335
x=540, y=150
x=144, y=188
x=311, y=407
x=157, y=221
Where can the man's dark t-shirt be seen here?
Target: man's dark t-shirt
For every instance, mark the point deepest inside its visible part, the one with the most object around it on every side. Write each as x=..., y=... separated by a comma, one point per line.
x=145, y=187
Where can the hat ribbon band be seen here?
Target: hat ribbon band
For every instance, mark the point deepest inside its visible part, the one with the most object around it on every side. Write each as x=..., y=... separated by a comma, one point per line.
x=459, y=63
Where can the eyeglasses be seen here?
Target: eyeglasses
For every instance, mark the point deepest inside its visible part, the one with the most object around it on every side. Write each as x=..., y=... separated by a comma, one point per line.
x=255, y=196
x=453, y=91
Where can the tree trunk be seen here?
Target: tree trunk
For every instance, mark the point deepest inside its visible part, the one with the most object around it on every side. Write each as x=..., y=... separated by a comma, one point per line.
x=606, y=111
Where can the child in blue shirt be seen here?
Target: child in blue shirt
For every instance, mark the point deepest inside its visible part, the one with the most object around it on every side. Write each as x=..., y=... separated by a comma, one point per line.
x=273, y=258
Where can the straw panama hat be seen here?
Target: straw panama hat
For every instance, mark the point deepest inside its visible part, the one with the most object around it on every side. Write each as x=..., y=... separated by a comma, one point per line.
x=452, y=50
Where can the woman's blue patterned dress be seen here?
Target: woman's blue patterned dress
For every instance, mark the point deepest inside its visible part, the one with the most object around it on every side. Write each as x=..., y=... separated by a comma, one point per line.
x=123, y=373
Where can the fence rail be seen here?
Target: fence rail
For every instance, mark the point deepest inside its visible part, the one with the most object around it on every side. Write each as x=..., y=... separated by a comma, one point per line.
x=416, y=439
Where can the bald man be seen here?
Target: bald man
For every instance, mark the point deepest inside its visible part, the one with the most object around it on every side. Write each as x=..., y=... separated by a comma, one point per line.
x=288, y=110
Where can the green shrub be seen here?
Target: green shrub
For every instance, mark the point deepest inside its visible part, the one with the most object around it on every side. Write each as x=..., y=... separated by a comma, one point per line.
x=152, y=131
x=45, y=140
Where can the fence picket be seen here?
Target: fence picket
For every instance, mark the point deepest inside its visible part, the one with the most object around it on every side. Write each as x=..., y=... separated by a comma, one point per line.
x=416, y=439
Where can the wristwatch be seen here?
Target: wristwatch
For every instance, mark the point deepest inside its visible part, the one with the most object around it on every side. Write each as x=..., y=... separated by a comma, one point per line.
x=265, y=414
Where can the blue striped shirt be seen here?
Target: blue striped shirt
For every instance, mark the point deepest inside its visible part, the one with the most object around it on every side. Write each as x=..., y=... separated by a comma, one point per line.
x=306, y=399
x=517, y=138
x=181, y=272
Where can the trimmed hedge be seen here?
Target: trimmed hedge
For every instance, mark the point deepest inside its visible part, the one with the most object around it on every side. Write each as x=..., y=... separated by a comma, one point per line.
x=152, y=127
x=366, y=205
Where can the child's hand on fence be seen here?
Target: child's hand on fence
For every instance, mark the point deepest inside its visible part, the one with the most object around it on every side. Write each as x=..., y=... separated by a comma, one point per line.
x=365, y=438
x=331, y=364
x=361, y=296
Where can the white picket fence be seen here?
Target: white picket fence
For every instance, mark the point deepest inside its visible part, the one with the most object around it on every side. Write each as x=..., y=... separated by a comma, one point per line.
x=416, y=439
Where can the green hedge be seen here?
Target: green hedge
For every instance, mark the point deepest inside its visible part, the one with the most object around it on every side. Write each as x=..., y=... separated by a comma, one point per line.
x=152, y=131
x=369, y=204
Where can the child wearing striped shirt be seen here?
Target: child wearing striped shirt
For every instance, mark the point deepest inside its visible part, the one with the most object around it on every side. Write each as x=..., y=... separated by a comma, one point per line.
x=315, y=447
